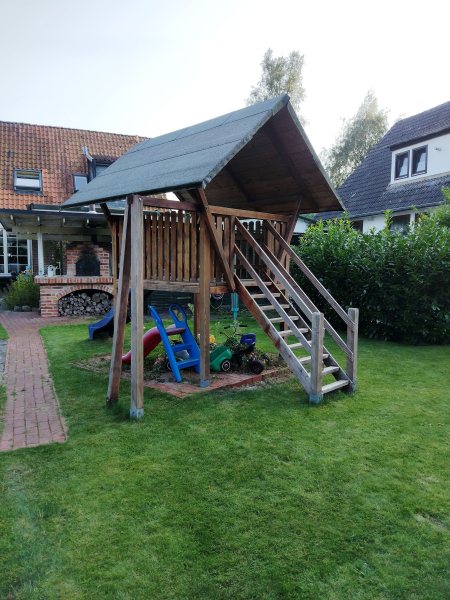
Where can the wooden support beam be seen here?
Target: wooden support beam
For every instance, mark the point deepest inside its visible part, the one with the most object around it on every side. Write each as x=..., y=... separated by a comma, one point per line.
x=196, y=315
x=120, y=311
x=172, y=204
x=217, y=242
x=316, y=394
x=238, y=183
x=289, y=164
x=290, y=229
x=247, y=214
x=110, y=219
x=204, y=306
x=352, y=343
x=137, y=309
x=114, y=227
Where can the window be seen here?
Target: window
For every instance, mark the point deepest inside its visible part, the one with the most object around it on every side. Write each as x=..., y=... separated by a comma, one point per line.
x=100, y=166
x=29, y=181
x=419, y=161
x=401, y=165
x=400, y=223
x=17, y=254
x=79, y=181
x=358, y=225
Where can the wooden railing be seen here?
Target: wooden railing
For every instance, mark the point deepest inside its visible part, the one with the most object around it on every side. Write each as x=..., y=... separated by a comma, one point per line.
x=171, y=243
x=260, y=235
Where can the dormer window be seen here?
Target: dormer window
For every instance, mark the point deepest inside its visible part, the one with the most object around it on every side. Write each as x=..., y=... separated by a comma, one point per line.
x=100, y=166
x=27, y=181
x=79, y=181
x=419, y=161
x=402, y=165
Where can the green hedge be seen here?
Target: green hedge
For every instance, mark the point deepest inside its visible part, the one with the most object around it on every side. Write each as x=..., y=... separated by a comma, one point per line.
x=23, y=292
x=400, y=282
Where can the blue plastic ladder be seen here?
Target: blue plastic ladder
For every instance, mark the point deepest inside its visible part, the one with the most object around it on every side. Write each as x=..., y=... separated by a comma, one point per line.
x=188, y=344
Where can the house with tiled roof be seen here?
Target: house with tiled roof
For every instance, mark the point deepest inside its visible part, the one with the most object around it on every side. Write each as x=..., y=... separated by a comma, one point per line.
x=404, y=172
x=40, y=168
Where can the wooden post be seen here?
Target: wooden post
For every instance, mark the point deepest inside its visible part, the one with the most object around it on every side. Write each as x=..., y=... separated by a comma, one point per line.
x=137, y=309
x=316, y=395
x=114, y=228
x=40, y=245
x=205, y=267
x=120, y=312
x=196, y=315
x=352, y=343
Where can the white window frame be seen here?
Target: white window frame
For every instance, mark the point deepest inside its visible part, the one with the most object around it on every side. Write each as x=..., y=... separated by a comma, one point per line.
x=25, y=189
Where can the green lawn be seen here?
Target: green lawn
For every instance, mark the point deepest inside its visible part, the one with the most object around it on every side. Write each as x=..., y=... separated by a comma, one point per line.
x=248, y=494
x=3, y=333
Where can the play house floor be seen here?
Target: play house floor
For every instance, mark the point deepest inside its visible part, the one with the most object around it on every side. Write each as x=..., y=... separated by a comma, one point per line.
x=220, y=381
x=190, y=384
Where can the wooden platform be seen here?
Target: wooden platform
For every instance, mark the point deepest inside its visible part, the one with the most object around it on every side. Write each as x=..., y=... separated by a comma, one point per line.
x=221, y=381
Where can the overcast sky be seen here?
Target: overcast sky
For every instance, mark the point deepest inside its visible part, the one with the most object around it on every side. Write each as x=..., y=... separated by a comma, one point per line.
x=148, y=67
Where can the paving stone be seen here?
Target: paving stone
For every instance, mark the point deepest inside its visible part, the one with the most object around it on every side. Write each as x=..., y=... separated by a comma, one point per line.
x=32, y=413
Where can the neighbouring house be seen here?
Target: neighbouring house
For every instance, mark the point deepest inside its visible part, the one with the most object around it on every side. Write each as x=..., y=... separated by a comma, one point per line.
x=404, y=172
x=40, y=168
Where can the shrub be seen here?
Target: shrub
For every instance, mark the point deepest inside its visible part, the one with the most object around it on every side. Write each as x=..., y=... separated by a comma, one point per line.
x=400, y=282
x=442, y=212
x=23, y=291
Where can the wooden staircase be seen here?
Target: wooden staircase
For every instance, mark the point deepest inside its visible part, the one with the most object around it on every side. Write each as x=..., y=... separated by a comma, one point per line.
x=297, y=316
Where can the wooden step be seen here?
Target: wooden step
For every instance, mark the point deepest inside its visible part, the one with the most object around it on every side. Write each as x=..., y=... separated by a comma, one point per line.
x=288, y=332
x=270, y=307
x=294, y=346
x=274, y=294
x=307, y=359
x=281, y=319
x=329, y=370
x=334, y=386
x=252, y=283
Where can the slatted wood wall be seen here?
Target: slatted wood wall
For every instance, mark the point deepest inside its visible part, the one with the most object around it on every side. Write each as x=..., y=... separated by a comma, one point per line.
x=171, y=242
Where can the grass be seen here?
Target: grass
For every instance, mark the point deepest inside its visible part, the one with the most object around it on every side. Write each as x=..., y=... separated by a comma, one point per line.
x=248, y=494
x=3, y=333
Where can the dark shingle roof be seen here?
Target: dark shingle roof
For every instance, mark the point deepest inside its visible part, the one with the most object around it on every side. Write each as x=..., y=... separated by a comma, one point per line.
x=368, y=190
x=182, y=159
x=195, y=156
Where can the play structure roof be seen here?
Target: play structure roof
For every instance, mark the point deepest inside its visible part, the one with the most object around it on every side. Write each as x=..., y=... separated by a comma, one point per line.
x=257, y=158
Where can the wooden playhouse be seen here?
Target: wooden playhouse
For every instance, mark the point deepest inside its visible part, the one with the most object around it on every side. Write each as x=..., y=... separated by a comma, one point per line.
x=241, y=181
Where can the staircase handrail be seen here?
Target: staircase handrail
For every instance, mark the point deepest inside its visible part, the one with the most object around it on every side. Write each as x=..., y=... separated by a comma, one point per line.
x=312, y=278
x=292, y=287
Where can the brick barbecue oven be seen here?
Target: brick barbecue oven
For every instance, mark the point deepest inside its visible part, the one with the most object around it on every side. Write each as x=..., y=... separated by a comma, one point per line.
x=87, y=269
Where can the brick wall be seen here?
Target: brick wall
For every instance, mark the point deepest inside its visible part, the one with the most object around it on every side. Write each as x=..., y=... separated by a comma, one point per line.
x=73, y=254
x=54, y=288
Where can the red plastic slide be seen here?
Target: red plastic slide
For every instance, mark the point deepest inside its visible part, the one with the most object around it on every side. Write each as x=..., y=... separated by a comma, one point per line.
x=152, y=339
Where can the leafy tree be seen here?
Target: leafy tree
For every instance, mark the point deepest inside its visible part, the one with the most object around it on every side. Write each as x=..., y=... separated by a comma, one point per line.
x=442, y=213
x=357, y=138
x=280, y=75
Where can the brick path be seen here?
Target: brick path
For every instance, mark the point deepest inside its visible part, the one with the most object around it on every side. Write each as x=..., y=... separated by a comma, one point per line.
x=32, y=415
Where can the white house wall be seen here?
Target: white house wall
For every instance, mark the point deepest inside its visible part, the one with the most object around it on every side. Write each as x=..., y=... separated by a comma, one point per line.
x=438, y=159
x=378, y=221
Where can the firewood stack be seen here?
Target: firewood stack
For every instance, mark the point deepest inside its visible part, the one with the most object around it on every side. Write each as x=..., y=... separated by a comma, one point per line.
x=76, y=303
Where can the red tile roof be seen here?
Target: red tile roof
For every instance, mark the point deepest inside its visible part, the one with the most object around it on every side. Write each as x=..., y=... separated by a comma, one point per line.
x=57, y=152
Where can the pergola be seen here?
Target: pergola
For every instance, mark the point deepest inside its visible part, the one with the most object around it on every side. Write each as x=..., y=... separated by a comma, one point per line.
x=255, y=165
